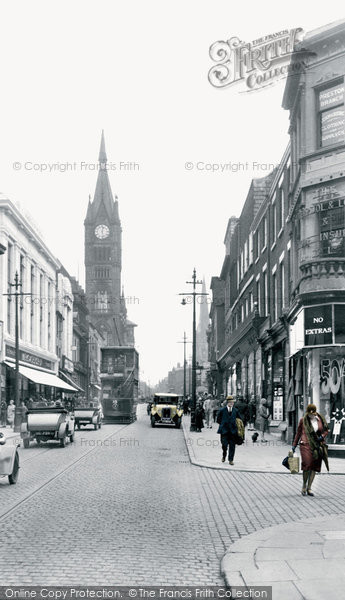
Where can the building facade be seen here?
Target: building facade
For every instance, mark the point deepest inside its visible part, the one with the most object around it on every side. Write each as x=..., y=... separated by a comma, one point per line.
x=27, y=256
x=315, y=100
x=283, y=274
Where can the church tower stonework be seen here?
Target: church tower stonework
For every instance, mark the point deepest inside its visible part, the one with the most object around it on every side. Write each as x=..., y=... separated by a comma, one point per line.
x=103, y=251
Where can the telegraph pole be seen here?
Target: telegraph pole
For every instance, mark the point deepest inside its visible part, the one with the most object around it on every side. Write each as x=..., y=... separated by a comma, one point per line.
x=194, y=282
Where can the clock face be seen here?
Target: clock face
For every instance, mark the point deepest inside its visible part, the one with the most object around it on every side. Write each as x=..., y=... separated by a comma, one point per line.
x=102, y=231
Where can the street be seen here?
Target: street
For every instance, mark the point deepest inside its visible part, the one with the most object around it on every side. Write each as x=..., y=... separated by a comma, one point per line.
x=124, y=506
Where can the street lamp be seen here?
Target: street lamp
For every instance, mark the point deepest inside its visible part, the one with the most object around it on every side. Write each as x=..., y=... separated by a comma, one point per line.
x=16, y=294
x=194, y=367
x=184, y=342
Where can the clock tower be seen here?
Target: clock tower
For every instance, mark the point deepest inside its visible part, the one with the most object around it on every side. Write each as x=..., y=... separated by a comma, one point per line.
x=103, y=249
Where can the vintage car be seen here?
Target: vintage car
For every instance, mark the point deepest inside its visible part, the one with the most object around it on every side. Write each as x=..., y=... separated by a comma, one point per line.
x=9, y=460
x=46, y=424
x=166, y=410
x=87, y=416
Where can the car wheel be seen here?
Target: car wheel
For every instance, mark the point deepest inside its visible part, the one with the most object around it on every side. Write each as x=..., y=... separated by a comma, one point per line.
x=153, y=421
x=26, y=443
x=63, y=441
x=14, y=475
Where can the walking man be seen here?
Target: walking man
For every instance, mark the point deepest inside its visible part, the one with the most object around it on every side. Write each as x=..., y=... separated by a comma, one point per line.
x=228, y=429
x=208, y=411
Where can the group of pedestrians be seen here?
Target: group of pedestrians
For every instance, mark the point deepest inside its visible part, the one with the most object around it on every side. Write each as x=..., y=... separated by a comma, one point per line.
x=311, y=432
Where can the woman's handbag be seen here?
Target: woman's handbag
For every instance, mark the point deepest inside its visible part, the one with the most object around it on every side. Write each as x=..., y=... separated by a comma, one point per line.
x=291, y=462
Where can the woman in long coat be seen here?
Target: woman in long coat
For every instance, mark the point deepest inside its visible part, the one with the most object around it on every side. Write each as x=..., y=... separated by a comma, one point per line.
x=311, y=433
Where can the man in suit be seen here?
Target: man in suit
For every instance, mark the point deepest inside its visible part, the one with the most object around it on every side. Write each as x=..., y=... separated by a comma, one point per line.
x=228, y=429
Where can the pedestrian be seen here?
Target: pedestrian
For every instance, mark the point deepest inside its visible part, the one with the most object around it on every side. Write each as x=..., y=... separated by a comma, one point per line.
x=24, y=410
x=10, y=413
x=264, y=416
x=228, y=429
x=3, y=413
x=216, y=408
x=242, y=409
x=208, y=411
x=252, y=415
x=199, y=416
x=185, y=406
x=311, y=434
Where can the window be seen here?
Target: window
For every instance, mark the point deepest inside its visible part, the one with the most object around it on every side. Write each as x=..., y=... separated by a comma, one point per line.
x=9, y=287
x=49, y=314
x=32, y=304
x=102, y=272
x=282, y=208
x=242, y=313
x=251, y=302
x=331, y=114
x=246, y=256
x=102, y=253
x=101, y=303
x=274, y=221
x=265, y=293
x=282, y=286
x=275, y=297
x=289, y=270
x=250, y=248
x=258, y=294
x=41, y=310
x=21, y=298
x=264, y=232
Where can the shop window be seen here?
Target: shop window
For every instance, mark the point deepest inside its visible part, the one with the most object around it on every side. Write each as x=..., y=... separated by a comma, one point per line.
x=332, y=231
x=339, y=323
x=331, y=114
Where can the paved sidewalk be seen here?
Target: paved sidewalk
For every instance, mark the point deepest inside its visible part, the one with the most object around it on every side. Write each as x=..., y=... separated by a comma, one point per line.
x=304, y=560
x=205, y=451
x=301, y=561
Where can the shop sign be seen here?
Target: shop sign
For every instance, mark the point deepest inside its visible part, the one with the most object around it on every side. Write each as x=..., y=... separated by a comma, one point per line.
x=67, y=364
x=332, y=374
x=331, y=107
x=318, y=326
x=29, y=358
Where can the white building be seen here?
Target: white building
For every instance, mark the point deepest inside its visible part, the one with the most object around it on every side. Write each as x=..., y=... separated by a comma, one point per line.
x=27, y=254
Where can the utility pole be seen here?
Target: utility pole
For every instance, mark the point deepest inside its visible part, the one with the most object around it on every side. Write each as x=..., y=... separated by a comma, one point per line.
x=184, y=342
x=194, y=282
x=16, y=294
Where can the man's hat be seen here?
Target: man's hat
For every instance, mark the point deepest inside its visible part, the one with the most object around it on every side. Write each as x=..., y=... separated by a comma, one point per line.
x=229, y=398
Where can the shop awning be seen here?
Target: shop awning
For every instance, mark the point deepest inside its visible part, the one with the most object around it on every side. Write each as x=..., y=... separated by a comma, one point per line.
x=95, y=385
x=43, y=378
x=71, y=382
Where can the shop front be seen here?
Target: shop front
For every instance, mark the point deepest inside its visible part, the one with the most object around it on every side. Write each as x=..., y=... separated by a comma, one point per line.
x=321, y=365
x=37, y=377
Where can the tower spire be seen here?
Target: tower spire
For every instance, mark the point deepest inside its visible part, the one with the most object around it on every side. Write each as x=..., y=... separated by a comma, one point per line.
x=102, y=153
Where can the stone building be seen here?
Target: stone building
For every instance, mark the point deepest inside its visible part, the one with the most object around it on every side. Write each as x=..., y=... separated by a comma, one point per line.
x=314, y=97
x=103, y=258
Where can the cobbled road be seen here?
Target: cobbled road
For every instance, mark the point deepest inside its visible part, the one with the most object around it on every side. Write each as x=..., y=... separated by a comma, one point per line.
x=124, y=506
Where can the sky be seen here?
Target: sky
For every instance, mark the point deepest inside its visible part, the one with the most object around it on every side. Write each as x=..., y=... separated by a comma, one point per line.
x=139, y=70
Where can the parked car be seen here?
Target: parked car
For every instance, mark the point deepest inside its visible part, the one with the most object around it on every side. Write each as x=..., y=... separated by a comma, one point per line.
x=9, y=460
x=166, y=410
x=46, y=424
x=87, y=416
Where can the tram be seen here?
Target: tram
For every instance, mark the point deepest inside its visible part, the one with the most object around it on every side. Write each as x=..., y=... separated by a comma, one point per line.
x=119, y=384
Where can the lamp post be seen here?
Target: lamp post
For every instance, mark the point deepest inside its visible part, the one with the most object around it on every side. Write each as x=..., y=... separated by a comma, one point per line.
x=184, y=342
x=16, y=294
x=194, y=282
